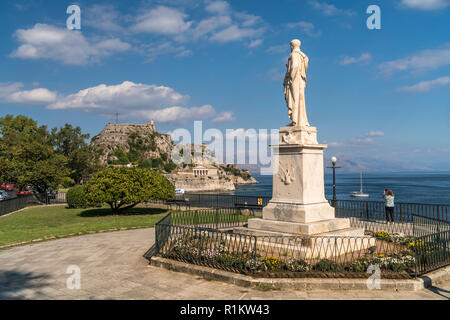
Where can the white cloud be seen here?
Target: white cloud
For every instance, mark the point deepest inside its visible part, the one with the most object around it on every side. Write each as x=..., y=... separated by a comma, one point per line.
x=131, y=100
x=368, y=140
x=235, y=33
x=69, y=47
x=218, y=7
x=169, y=28
x=122, y=97
x=426, y=4
x=375, y=134
x=422, y=61
x=226, y=116
x=362, y=140
x=248, y=20
x=329, y=9
x=206, y=26
x=255, y=43
x=6, y=89
x=426, y=86
x=35, y=96
x=362, y=59
x=162, y=20
x=305, y=27
x=153, y=50
x=103, y=17
x=12, y=93
x=184, y=53
x=282, y=48
x=276, y=74
x=227, y=25
x=177, y=114
x=335, y=144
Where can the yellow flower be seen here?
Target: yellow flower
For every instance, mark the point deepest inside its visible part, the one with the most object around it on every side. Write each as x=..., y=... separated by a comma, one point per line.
x=382, y=234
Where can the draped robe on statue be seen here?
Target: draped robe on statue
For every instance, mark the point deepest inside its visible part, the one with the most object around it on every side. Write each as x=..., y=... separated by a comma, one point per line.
x=294, y=87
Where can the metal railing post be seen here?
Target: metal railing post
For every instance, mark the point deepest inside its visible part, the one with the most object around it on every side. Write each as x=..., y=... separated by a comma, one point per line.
x=438, y=217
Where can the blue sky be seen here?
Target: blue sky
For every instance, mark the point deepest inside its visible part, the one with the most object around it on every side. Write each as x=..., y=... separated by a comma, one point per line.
x=379, y=98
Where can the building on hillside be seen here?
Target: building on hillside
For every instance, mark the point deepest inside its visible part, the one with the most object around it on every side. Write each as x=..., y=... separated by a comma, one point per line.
x=204, y=171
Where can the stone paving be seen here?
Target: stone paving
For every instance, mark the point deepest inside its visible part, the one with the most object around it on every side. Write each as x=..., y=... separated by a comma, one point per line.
x=112, y=267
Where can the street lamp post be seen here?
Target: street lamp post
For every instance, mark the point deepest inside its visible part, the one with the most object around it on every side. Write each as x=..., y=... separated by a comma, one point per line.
x=334, y=167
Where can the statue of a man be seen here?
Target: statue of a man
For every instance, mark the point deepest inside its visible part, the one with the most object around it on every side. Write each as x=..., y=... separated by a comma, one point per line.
x=294, y=85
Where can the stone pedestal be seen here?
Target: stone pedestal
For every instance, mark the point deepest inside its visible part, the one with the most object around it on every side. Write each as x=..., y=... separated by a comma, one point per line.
x=298, y=205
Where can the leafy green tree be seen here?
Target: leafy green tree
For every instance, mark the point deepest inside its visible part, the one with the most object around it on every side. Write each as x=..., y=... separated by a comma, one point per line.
x=170, y=166
x=71, y=143
x=124, y=188
x=26, y=154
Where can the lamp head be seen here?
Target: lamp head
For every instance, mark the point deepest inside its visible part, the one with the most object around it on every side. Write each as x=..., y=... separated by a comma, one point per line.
x=333, y=160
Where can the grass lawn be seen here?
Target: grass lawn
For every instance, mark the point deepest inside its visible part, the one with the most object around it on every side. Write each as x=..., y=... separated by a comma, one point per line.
x=58, y=221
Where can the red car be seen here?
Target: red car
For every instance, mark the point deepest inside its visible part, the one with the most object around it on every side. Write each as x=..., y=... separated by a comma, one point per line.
x=24, y=193
x=8, y=186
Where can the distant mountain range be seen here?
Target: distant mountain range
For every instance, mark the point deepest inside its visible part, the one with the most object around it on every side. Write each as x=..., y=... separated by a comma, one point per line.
x=370, y=165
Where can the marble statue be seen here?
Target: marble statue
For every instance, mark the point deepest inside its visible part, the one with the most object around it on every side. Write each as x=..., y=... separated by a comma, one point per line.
x=294, y=85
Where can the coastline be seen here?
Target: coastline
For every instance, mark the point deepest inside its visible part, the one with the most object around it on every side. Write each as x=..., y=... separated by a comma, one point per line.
x=410, y=187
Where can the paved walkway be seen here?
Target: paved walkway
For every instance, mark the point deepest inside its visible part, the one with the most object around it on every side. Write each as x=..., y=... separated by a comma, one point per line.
x=112, y=267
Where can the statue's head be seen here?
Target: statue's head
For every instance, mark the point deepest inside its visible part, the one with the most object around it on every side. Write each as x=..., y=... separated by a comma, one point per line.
x=295, y=44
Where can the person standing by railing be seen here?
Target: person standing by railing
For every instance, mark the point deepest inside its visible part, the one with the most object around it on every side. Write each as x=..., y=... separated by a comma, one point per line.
x=389, y=205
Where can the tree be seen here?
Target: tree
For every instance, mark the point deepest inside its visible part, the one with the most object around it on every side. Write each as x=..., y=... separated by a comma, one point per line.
x=124, y=188
x=27, y=156
x=71, y=143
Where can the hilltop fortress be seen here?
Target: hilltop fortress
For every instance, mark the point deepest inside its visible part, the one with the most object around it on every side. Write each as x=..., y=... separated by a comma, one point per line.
x=142, y=145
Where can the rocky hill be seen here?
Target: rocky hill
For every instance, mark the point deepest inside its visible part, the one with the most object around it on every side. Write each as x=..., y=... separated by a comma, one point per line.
x=141, y=140
x=142, y=145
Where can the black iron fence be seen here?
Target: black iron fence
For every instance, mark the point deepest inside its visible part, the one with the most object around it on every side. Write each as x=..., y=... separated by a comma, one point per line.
x=432, y=251
x=207, y=238
x=409, y=218
x=403, y=212
x=363, y=210
x=223, y=201
x=14, y=204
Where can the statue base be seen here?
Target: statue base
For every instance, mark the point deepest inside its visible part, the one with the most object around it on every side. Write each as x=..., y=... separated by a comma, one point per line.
x=298, y=205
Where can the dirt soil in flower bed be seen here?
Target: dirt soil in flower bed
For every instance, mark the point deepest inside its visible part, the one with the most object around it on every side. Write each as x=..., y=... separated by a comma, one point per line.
x=341, y=275
x=382, y=247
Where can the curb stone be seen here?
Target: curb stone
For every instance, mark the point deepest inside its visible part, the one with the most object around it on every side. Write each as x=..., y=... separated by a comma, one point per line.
x=418, y=284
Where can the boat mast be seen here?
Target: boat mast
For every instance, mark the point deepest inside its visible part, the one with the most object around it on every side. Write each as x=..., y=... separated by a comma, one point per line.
x=361, y=181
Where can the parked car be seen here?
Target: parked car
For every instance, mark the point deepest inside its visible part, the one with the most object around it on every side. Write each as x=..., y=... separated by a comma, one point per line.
x=24, y=193
x=3, y=195
x=8, y=186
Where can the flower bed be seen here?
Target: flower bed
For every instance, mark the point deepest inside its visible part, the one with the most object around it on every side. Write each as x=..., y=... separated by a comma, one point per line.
x=210, y=251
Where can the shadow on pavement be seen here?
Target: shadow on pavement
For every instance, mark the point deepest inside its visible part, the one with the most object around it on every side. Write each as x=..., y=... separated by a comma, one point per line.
x=441, y=292
x=13, y=282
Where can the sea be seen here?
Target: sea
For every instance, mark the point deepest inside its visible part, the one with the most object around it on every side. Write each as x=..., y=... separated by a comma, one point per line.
x=408, y=187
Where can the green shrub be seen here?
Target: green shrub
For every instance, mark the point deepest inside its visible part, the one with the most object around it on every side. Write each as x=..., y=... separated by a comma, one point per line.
x=169, y=167
x=76, y=198
x=326, y=265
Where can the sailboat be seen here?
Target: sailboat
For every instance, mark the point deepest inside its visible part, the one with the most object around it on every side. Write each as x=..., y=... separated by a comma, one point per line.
x=360, y=193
